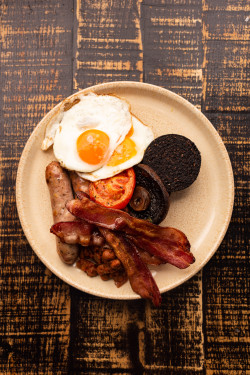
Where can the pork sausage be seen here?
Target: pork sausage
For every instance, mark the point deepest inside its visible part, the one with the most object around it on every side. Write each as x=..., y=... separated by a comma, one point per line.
x=60, y=193
x=79, y=184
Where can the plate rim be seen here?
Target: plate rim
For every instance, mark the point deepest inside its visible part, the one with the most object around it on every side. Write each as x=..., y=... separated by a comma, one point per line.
x=164, y=92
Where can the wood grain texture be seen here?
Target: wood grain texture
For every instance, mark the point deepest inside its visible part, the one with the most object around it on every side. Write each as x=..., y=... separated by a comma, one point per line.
x=224, y=5
x=172, y=46
x=198, y=49
x=109, y=45
x=36, y=73
x=226, y=104
x=133, y=337
x=226, y=39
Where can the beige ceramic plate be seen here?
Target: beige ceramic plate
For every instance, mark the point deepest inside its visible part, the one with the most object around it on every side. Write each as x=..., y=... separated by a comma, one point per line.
x=202, y=211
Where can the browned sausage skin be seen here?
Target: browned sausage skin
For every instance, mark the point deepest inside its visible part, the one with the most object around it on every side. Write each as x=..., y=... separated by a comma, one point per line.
x=60, y=193
x=79, y=184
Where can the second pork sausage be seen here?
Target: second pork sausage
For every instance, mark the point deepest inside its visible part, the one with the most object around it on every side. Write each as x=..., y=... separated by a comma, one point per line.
x=60, y=193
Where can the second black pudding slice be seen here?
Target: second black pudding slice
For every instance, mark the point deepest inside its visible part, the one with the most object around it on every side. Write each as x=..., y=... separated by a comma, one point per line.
x=175, y=159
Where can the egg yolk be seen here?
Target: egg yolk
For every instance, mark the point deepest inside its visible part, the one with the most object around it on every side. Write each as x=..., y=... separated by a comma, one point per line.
x=125, y=151
x=131, y=132
x=92, y=146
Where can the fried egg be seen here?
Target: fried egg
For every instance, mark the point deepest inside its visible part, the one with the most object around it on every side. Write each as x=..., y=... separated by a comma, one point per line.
x=86, y=135
x=129, y=153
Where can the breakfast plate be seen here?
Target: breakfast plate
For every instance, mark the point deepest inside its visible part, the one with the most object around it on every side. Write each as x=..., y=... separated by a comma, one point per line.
x=202, y=211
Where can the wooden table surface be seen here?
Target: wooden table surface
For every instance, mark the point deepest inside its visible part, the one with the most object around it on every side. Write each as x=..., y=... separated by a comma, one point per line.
x=196, y=48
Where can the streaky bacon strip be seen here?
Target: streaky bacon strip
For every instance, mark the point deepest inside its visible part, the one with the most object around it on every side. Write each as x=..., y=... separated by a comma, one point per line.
x=168, y=244
x=78, y=232
x=115, y=219
x=148, y=258
x=73, y=232
x=174, y=255
x=140, y=278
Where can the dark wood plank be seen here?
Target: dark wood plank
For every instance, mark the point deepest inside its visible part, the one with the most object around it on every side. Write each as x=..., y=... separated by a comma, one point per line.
x=172, y=46
x=105, y=334
x=223, y=5
x=226, y=24
x=109, y=45
x=36, y=73
x=177, y=325
x=226, y=277
x=226, y=39
x=226, y=87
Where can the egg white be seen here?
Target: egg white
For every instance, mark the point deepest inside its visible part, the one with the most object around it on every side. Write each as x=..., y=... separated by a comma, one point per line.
x=142, y=137
x=101, y=112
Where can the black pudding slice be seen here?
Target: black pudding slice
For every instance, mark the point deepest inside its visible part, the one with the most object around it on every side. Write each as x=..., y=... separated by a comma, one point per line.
x=150, y=200
x=175, y=159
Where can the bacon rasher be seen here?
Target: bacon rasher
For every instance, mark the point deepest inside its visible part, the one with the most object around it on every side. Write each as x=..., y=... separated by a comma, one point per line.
x=140, y=278
x=79, y=232
x=168, y=244
x=171, y=253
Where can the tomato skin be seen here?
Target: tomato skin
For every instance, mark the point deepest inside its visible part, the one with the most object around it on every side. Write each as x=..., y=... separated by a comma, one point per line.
x=114, y=192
